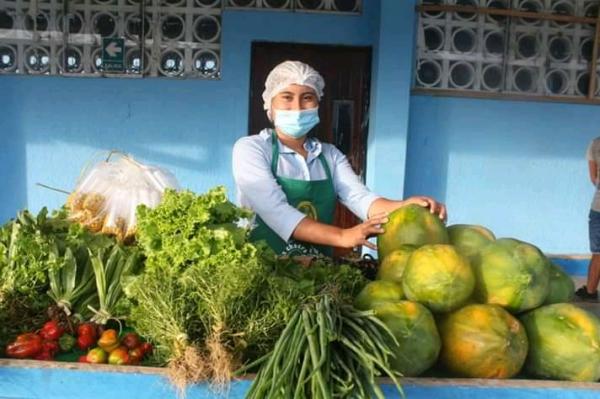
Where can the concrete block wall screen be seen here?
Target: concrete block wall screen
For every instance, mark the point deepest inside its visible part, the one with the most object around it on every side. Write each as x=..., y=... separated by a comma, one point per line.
x=170, y=38
x=162, y=38
x=540, y=49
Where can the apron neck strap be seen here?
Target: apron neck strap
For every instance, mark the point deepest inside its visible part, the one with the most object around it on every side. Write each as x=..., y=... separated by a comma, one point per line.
x=274, y=152
x=275, y=157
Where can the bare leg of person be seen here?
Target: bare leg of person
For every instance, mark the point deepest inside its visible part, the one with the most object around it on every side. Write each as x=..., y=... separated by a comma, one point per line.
x=593, y=274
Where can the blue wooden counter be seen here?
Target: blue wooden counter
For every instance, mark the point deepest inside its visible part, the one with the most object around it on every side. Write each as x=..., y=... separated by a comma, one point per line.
x=28, y=379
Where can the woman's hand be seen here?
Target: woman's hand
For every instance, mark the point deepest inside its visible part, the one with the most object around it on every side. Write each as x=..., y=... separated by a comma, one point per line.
x=359, y=234
x=386, y=205
x=427, y=202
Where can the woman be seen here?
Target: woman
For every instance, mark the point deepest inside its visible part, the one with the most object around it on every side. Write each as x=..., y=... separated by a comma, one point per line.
x=292, y=181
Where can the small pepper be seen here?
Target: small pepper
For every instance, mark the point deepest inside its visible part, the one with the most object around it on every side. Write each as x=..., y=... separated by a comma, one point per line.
x=97, y=355
x=25, y=346
x=66, y=342
x=109, y=340
x=51, y=331
x=119, y=356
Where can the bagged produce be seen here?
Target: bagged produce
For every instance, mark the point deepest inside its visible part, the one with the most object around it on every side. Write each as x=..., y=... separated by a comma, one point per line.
x=108, y=193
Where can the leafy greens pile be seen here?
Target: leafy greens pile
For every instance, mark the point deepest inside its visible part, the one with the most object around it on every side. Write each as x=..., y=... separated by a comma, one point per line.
x=210, y=299
x=46, y=259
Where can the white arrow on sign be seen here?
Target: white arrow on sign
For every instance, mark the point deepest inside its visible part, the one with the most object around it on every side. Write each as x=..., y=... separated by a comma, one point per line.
x=112, y=49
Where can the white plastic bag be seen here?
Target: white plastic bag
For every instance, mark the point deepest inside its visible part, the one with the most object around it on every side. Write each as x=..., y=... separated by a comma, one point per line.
x=107, y=194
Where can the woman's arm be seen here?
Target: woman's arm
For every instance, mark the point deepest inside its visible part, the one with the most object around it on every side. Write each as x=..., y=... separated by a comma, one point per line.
x=386, y=205
x=261, y=192
x=356, y=196
x=318, y=233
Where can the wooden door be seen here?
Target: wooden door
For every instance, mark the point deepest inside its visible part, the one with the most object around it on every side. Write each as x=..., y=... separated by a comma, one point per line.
x=343, y=110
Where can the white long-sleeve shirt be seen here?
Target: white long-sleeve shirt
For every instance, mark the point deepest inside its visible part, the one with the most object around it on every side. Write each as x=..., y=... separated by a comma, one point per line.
x=258, y=189
x=593, y=154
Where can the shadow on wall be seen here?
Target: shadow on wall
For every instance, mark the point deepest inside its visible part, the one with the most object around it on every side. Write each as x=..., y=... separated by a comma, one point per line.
x=145, y=117
x=510, y=129
x=13, y=192
x=493, y=138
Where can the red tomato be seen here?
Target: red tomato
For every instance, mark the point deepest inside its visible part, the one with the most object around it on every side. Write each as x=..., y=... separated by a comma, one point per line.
x=136, y=355
x=146, y=348
x=131, y=340
x=84, y=342
x=87, y=329
x=50, y=347
x=51, y=331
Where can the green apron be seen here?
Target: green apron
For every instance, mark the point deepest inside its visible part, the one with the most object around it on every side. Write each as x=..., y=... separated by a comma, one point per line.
x=316, y=199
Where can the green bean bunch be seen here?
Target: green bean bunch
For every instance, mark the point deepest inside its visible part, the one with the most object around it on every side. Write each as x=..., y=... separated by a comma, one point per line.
x=327, y=350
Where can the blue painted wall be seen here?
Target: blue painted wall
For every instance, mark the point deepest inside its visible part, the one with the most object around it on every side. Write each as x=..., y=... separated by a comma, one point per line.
x=12, y=155
x=517, y=167
x=50, y=127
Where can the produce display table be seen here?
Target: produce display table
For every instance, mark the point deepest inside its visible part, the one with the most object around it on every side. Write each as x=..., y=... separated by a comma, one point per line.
x=28, y=379
x=24, y=379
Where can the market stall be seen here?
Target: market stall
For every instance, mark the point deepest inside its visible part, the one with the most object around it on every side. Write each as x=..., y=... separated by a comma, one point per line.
x=132, y=284
x=165, y=286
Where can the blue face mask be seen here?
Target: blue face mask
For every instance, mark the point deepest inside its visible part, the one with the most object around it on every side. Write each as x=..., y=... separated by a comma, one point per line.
x=296, y=124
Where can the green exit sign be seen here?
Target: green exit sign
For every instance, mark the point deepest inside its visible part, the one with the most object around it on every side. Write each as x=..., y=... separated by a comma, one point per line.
x=113, y=54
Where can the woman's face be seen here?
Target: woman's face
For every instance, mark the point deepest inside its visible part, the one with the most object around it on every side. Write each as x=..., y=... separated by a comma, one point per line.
x=295, y=98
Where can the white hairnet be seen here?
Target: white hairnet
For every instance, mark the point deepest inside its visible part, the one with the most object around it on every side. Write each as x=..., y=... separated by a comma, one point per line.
x=290, y=73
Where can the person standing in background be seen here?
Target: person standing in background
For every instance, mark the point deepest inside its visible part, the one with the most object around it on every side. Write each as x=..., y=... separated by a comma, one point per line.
x=590, y=290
